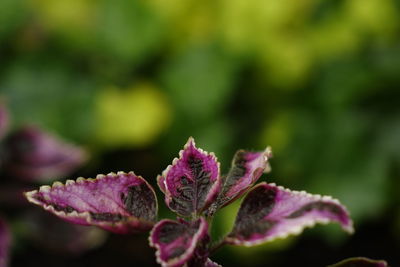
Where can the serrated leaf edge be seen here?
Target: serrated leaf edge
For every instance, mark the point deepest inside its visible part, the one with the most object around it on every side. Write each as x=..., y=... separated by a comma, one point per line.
x=214, y=187
x=202, y=230
x=297, y=230
x=86, y=215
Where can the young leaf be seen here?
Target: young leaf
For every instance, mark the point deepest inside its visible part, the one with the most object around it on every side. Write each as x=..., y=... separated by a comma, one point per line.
x=192, y=182
x=32, y=154
x=269, y=212
x=246, y=168
x=360, y=262
x=176, y=242
x=5, y=242
x=119, y=203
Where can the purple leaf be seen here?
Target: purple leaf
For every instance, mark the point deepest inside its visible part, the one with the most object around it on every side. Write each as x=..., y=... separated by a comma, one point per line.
x=33, y=154
x=246, y=168
x=360, y=262
x=5, y=243
x=192, y=182
x=269, y=212
x=161, y=183
x=48, y=233
x=119, y=203
x=176, y=242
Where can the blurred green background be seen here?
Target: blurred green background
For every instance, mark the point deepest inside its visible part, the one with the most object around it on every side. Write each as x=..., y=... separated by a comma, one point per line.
x=131, y=80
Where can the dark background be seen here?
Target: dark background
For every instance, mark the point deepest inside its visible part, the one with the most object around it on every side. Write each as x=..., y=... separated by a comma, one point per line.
x=131, y=80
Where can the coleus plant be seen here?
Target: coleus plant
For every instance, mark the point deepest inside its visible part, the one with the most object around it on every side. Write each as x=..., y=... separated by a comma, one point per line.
x=195, y=190
x=30, y=155
x=34, y=155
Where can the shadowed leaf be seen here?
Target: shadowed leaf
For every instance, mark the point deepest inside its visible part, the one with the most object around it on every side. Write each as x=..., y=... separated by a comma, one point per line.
x=176, y=242
x=34, y=155
x=51, y=234
x=269, y=212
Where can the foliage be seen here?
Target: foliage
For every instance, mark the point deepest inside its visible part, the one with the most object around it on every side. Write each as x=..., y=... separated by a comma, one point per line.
x=194, y=190
x=316, y=79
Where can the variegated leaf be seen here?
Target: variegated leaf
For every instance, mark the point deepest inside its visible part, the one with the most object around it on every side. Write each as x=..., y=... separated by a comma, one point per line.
x=246, y=168
x=192, y=182
x=269, y=212
x=120, y=203
x=176, y=241
x=34, y=155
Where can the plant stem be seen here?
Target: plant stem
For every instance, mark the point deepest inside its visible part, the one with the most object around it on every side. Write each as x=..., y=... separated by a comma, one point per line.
x=217, y=245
